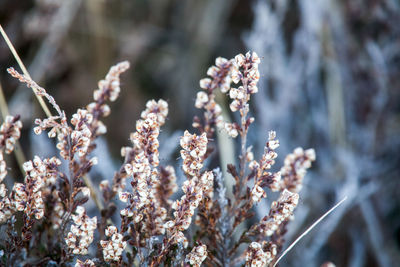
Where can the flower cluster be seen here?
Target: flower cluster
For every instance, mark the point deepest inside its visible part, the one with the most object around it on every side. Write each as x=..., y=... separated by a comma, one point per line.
x=240, y=96
x=113, y=248
x=295, y=168
x=158, y=108
x=194, y=148
x=6, y=209
x=194, y=190
x=86, y=263
x=259, y=255
x=197, y=255
x=44, y=171
x=80, y=237
x=145, y=138
x=109, y=89
x=281, y=211
x=269, y=156
x=81, y=135
x=249, y=63
x=10, y=131
x=145, y=145
x=220, y=74
x=220, y=78
x=142, y=172
x=263, y=176
x=257, y=193
x=27, y=196
x=143, y=203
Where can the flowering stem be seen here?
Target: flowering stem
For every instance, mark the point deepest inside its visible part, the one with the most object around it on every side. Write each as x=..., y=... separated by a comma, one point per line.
x=244, y=129
x=24, y=70
x=19, y=154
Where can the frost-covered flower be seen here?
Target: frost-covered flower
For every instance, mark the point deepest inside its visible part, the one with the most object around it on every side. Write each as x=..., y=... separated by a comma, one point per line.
x=6, y=209
x=295, y=168
x=113, y=248
x=260, y=255
x=158, y=108
x=109, y=88
x=257, y=193
x=197, y=255
x=281, y=210
x=28, y=196
x=231, y=130
x=194, y=148
x=81, y=233
x=263, y=175
x=201, y=99
x=81, y=135
x=194, y=190
x=10, y=132
x=86, y=263
x=220, y=78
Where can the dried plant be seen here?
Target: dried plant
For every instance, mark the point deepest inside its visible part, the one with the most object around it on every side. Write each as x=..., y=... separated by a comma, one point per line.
x=200, y=227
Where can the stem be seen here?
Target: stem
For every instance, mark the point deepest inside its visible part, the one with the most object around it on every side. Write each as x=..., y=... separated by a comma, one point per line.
x=308, y=230
x=71, y=187
x=241, y=183
x=243, y=134
x=243, y=150
x=24, y=70
x=244, y=129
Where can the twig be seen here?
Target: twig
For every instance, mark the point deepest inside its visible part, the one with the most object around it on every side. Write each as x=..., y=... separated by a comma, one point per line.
x=308, y=230
x=3, y=103
x=24, y=70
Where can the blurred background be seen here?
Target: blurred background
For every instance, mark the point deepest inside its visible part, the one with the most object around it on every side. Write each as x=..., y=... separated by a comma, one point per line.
x=330, y=80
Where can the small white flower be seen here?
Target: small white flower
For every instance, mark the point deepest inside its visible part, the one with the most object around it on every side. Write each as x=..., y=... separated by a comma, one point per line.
x=123, y=196
x=85, y=191
x=201, y=99
x=205, y=83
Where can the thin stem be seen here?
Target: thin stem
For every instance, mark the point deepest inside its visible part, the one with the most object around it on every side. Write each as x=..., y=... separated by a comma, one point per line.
x=244, y=129
x=308, y=230
x=243, y=134
x=24, y=70
x=243, y=151
x=3, y=103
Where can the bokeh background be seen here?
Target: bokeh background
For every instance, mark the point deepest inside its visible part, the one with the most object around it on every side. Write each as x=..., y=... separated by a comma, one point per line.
x=330, y=80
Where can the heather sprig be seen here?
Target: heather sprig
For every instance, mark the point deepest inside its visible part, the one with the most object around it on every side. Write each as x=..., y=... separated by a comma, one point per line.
x=155, y=227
